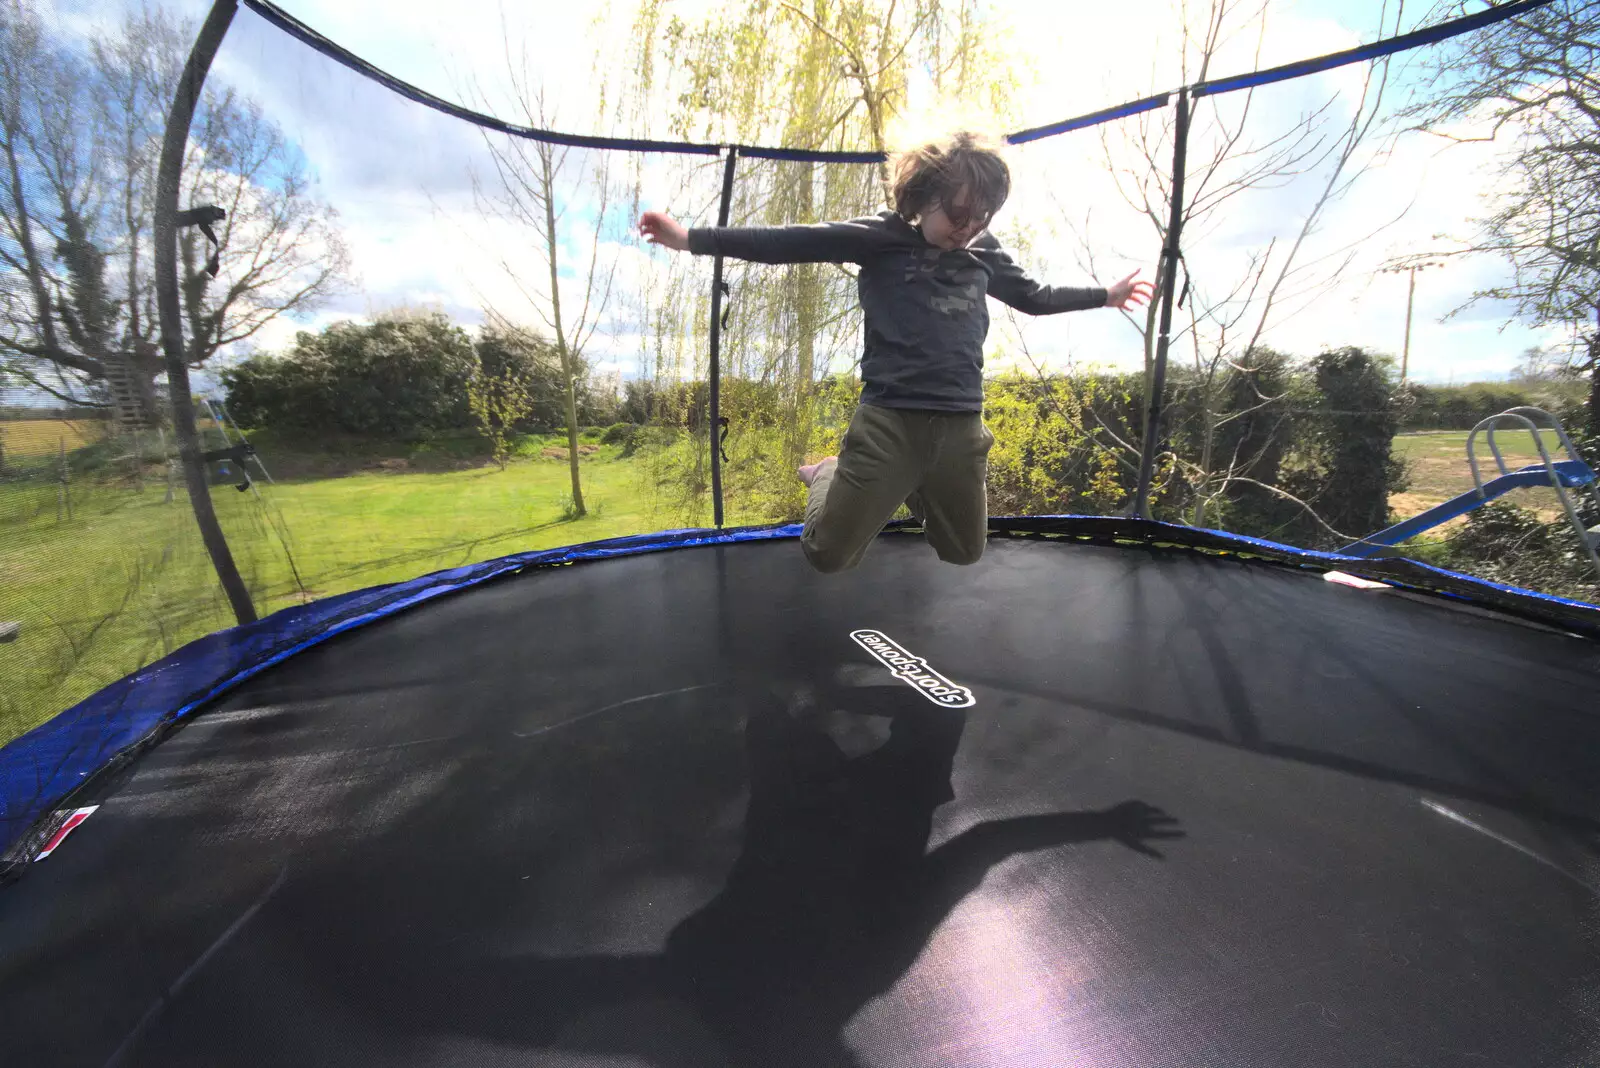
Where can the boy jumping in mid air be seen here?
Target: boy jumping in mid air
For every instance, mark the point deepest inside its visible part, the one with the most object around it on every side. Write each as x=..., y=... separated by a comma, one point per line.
x=926, y=267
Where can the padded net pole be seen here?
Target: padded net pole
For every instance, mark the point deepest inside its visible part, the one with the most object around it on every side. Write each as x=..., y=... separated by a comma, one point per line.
x=715, y=383
x=1169, y=285
x=166, y=279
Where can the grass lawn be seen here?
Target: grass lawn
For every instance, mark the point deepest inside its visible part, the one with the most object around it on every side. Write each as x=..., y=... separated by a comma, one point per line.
x=126, y=579
x=369, y=529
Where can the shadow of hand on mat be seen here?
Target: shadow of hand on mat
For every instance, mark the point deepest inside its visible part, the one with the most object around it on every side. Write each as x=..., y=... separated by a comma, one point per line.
x=829, y=903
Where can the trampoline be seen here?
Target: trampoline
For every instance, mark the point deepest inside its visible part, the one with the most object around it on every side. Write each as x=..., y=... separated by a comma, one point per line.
x=1174, y=799
x=1123, y=794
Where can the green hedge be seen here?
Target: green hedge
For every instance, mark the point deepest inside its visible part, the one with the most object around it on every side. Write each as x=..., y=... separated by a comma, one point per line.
x=401, y=378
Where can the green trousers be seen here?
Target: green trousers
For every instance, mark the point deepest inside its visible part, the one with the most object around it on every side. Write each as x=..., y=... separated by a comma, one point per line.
x=934, y=462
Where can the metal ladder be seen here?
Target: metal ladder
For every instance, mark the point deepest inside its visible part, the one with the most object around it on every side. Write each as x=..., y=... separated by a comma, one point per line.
x=1523, y=417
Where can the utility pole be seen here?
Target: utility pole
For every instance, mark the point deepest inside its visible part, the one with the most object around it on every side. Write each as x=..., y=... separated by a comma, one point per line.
x=1411, y=299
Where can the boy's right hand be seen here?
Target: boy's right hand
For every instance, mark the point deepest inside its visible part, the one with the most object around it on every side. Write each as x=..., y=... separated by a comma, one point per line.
x=659, y=228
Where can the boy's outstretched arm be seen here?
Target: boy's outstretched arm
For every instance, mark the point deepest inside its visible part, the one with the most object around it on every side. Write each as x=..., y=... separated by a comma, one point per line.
x=840, y=242
x=1014, y=286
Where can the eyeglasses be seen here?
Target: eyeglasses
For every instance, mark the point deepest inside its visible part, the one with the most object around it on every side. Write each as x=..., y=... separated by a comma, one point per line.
x=961, y=217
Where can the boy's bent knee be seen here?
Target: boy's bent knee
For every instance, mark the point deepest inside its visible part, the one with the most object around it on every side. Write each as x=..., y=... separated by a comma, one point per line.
x=961, y=554
x=826, y=560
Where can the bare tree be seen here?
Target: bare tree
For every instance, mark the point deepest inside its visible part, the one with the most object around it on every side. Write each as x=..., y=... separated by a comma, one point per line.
x=1230, y=309
x=536, y=186
x=79, y=134
x=1535, y=80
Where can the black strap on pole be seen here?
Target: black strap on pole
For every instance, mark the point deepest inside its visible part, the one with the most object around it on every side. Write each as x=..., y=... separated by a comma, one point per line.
x=718, y=424
x=204, y=217
x=1170, y=255
x=239, y=454
x=170, y=311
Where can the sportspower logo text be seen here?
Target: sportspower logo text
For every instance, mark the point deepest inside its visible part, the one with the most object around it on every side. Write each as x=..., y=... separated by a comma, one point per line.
x=913, y=670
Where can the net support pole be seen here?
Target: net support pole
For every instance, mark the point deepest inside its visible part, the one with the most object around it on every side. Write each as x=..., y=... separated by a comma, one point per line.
x=168, y=180
x=715, y=383
x=1169, y=285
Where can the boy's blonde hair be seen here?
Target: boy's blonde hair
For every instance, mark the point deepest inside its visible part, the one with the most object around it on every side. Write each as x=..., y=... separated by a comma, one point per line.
x=936, y=172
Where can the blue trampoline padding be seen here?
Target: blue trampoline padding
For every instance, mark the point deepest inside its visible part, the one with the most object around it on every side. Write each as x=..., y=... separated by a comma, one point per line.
x=41, y=768
x=1452, y=584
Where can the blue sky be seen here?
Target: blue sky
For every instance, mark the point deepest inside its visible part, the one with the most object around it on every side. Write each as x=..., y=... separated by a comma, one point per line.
x=402, y=178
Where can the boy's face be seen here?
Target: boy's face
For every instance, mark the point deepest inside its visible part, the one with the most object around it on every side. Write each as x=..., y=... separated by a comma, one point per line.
x=954, y=224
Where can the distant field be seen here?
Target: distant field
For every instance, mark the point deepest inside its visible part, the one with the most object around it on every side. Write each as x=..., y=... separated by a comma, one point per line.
x=44, y=437
x=1439, y=470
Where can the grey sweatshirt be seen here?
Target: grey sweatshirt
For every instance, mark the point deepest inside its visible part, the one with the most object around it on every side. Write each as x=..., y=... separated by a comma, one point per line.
x=926, y=318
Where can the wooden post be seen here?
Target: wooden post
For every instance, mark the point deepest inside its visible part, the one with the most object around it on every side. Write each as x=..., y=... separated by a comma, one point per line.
x=166, y=461
x=1411, y=299
x=138, y=461
x=63, y=480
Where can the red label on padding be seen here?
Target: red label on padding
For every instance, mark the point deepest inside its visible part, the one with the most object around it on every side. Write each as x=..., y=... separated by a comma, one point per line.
x=78, y=816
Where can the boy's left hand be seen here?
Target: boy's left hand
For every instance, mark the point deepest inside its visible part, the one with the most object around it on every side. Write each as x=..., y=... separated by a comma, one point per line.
x=1129, y=293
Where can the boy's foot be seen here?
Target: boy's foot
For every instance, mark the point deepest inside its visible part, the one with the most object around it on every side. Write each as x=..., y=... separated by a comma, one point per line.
x=808, y=472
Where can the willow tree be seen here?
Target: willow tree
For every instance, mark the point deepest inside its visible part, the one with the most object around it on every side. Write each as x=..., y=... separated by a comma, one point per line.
x=832, y=75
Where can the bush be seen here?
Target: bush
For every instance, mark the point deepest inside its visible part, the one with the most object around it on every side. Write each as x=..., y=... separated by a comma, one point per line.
x=498, y=402
x=402, y=378
x=1255, y=421
x=1508, y=544
x=1460, y=407
x=1047, y=455
x=1342, y=464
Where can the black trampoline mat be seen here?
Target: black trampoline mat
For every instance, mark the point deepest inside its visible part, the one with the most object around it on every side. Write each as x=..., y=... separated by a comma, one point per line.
x=663, y=810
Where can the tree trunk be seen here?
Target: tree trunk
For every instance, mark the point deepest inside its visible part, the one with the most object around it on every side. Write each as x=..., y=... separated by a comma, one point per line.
x=30, y=256
x=1592, y=423
x=1206, y=452
x=568, y=360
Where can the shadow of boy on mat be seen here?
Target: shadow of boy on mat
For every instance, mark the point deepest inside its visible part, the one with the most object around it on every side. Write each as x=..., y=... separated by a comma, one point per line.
x=829, y=903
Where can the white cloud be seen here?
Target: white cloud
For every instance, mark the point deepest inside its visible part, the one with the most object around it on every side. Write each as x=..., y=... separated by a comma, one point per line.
x=401, y=176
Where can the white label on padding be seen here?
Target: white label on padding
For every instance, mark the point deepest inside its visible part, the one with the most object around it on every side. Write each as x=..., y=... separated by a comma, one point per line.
x=913, y=670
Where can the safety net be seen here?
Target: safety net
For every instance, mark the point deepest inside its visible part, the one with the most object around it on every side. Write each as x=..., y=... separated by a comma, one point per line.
x=420, y=332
